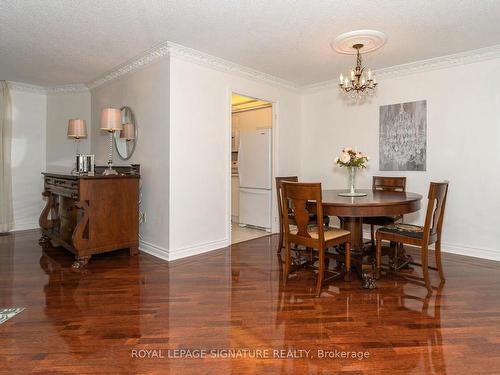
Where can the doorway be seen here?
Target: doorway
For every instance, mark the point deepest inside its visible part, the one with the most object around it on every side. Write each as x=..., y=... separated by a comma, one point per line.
x=251, y=168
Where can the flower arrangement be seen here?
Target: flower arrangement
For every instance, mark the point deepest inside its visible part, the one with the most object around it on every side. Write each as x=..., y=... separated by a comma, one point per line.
x=352, y=159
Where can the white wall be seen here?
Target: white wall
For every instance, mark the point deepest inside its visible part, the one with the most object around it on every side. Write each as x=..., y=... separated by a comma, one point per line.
x=146, y=92
x=463, y=143
x=29, y=114
x=183, y=113
x=200, y=123
x=61, y=150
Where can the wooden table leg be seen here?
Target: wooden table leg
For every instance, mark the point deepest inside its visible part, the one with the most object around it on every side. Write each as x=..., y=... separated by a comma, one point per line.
x=355, y=226
x=365, y=265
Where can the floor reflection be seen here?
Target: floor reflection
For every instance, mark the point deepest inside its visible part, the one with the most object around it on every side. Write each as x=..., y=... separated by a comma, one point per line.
x=232, y=299
x=94, y=311
x=346, y=318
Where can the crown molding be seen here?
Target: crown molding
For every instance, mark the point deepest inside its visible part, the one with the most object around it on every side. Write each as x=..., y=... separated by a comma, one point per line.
x=66, y=89
x=462, y=58
x=188, y=54
x=201, y=58
x=156, y=53
x=150, y=56
x=21, y=86
x=36, y=89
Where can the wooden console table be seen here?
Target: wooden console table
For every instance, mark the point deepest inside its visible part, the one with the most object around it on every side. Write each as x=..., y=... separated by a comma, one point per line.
x=89, y=215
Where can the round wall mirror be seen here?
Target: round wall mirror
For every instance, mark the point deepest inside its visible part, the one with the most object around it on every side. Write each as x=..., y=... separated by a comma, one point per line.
x=126, y=139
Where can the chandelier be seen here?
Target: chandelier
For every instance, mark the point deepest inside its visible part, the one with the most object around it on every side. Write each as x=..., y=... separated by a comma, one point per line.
x=358, y=83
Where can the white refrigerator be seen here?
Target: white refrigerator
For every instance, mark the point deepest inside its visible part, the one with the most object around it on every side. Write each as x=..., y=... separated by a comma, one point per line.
x=254, y=170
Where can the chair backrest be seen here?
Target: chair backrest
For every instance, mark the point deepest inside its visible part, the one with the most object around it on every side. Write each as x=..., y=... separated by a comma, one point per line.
x=438, y=191
x=279, y=193
x=298, y=195
x=389, y=183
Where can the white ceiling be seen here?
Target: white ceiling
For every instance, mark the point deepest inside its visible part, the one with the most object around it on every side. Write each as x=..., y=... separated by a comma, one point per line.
x=54, y=42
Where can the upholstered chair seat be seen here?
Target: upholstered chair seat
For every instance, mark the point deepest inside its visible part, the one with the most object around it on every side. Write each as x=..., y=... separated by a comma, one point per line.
x=407, y=230
x=329, y=232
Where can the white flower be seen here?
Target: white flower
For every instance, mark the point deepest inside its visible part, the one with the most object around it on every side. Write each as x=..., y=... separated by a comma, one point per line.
x=345, y=157
x=368, y=158
x=337, y=160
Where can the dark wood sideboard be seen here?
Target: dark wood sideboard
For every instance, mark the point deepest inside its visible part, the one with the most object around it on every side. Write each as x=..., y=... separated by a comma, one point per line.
x=89, y=215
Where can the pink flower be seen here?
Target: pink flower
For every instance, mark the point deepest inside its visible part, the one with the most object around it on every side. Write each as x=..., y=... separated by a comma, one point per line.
x=359, y=155
x=345, y=157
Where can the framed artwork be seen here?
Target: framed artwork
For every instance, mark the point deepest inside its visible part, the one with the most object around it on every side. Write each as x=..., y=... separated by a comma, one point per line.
x=403, y=136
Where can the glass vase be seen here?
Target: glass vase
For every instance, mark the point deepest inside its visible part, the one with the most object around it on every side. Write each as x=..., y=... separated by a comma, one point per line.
x=352, y=180
x=352, y=184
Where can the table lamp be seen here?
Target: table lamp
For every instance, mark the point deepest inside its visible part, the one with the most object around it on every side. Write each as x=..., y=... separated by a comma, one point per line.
x=77, y=129
x=111, y=121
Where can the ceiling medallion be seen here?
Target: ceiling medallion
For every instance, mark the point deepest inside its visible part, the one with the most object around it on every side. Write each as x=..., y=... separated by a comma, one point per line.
x=360, y=81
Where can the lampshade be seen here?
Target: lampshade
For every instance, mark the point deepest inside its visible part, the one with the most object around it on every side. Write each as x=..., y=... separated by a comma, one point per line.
x=111, y=119
x=128, y=132
x=77, y=128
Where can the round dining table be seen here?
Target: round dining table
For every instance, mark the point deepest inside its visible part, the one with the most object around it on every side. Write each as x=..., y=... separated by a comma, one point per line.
x=352, y=210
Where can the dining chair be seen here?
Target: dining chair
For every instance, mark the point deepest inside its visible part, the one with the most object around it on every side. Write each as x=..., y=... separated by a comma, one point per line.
x=421, y=236
x=381, y=183
x=300, y=196
x=279, y=193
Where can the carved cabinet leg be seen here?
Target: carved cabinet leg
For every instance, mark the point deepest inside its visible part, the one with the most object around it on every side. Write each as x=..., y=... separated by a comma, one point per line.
x=44, y=241
x=44, y=220
x=80, y=262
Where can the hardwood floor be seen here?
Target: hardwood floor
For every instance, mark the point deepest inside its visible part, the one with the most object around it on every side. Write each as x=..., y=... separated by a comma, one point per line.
x=122, y=307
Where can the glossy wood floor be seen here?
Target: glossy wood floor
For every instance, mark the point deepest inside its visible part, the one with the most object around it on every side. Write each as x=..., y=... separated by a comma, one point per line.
x=232, y=298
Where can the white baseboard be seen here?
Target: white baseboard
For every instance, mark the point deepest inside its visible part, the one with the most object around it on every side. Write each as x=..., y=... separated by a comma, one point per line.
x=154, y=250
x=470, y=251
x=169, y=255
x=473, y=252
x=26, y=226
x=188, y=251
x=183, y=252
